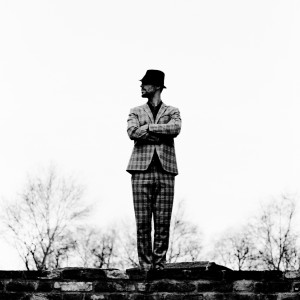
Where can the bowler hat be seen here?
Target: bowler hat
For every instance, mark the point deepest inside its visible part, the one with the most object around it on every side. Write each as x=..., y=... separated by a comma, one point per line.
x=154, y=77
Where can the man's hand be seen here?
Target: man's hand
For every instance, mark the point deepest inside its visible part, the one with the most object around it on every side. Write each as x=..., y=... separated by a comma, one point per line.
x=170, y=129
x=139, y=133
x=144, y=128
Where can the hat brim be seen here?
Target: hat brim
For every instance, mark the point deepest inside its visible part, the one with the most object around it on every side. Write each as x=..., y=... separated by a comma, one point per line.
x=151, y=83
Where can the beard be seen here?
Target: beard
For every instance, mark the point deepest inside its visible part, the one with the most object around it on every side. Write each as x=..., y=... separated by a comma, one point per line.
x=147, y=94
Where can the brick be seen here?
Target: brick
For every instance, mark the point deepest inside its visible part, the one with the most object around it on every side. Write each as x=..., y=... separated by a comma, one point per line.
x=116, y=274
x=73, y=297
x=12, y=296
x=117, y=297
x=114, y=296
x=213, y=296
x=273, y=275
x=186, y=274
x=82, y=274
x=95, y=297
x=131, y=287
x=52, y=274
x=241, y=296
x=32, y=274
x=252, y=275
x=173, y=297
x=259, y=287
x=296, y=286
x=171, y=286
x=243, y=275
x=170, y=274
x=183, y=297
x=288, y=296
x=173, y=273
x=103, y=286
x=292, y=275
x=277, y=287
x=45, y=286
x=210, y=275
x=21, y=286
x=112, y=286
x=54, y=296
x=137, y=274
x=244, y=286
x=248, y=286
x=140, y=286
x=146, y=297
x=43, y=297
x=37, y=297
x=74, y=286
x=268, y=297
x=214, y=286
x=11, y=274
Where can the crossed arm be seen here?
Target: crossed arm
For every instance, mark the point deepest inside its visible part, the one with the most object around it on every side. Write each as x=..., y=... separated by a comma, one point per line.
x=154, y=133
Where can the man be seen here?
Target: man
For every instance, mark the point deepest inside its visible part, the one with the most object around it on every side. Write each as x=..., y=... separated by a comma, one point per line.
x=153, y=127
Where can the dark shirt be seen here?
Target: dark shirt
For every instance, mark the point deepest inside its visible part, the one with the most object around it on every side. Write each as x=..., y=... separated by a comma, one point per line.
x=154, y=109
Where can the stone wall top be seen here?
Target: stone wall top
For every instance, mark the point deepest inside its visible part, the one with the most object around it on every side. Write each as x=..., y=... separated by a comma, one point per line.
x=194, y=281
x=193, y=270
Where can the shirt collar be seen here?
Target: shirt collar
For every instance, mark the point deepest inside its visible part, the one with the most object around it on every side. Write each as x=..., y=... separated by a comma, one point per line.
x=154, y=107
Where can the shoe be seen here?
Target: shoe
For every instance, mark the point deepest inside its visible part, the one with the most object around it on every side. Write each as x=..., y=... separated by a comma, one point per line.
x=158, y=267
x=145, y=269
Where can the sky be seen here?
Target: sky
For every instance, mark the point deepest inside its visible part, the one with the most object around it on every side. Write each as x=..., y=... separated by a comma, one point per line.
x=70, y=71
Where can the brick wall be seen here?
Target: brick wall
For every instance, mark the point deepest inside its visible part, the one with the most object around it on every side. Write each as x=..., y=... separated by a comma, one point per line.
x=174, y=283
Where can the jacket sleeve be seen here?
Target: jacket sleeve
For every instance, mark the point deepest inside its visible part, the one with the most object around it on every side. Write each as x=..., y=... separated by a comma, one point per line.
x=171, y=129
x=137, y=132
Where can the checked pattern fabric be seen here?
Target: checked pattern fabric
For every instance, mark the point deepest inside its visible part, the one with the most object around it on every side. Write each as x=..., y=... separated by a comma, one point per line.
x=153, y=193
x=151, y=136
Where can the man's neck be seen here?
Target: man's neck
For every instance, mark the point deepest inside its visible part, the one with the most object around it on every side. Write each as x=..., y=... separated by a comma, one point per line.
x=155, y=100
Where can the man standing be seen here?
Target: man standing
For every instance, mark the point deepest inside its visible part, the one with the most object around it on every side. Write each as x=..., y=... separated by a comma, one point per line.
x=153, y=127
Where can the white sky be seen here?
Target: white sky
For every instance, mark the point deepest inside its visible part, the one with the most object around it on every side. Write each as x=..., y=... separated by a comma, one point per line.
x=70, y=70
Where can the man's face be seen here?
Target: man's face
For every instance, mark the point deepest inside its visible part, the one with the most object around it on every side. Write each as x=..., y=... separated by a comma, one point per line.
x=148, y=90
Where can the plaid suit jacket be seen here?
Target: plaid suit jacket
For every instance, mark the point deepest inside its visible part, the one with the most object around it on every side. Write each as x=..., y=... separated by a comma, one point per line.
x=150, y=135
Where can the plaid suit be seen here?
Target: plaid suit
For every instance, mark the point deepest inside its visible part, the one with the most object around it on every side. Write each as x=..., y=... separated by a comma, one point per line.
x=153, y=167
x=159, y=137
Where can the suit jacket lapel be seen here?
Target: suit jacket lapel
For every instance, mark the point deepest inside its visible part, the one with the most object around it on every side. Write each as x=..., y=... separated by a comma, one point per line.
x=148, y=111
x=160, y=112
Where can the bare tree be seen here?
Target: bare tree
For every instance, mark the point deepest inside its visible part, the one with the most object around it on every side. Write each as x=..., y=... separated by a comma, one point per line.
x=128, y=245
x=268, y=242
x=274, y=234
x=236, y=250
x=41, y=221
x=97, y=248
x=185, y=238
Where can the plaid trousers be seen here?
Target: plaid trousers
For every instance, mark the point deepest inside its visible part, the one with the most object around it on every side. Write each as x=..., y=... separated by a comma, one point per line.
x=153, y=193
